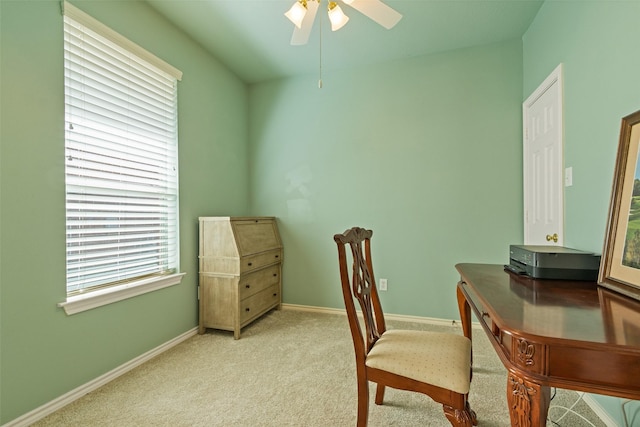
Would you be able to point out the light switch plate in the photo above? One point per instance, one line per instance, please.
(568, 176)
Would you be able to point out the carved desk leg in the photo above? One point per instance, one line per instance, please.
(528, 402)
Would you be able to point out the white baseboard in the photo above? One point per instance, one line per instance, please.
(398, 317)
(600, 411)
(312, 309)
(52, 406)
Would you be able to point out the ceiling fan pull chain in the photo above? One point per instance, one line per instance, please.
(320, 56)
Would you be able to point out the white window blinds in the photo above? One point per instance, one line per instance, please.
(121, 158)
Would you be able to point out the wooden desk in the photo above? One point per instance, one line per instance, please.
(552, 333)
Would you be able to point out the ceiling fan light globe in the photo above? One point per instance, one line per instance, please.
(337, 17)
(296, 13)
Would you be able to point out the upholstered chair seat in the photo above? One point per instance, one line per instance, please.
(411, 354)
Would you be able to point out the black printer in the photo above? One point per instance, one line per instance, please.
(553, 262)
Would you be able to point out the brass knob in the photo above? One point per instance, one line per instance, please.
(554, 237)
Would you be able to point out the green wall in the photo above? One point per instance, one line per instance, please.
(597, 43)
(426, 152)
(43, 352)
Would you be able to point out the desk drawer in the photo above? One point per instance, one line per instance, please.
(234, 266)
(259, 304)
(255, 262)
(257, 281)
(482, 315)
(498, 339)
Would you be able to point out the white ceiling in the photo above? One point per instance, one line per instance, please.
(251, 37)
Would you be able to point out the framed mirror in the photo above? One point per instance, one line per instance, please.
(620, 264)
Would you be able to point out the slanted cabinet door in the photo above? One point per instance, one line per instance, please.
(256, 235)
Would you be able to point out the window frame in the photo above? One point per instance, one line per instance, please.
(92, 298)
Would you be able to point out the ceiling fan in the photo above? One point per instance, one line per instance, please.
(303, 14)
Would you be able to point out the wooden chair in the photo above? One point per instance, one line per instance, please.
(432, 363)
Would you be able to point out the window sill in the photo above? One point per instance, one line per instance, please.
(80, 303)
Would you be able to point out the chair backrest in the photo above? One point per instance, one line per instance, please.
(361, 285)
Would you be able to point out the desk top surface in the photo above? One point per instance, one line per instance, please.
(555, 309)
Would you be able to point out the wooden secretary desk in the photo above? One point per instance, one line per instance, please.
(240, 266)
(553, 333)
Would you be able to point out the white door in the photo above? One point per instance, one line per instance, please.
(543, 163)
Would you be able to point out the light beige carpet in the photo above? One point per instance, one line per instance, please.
(290, 368)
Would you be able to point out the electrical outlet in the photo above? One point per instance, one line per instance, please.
(383, 284)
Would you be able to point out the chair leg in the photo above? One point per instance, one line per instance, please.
(461, 418)
(379, 394)
(363, 402)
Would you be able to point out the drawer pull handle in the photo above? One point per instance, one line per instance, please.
(249, 264)
(248, 286)
(247, 309)
(277, 256)
(275, 294)
(275, 274)
(485, 314)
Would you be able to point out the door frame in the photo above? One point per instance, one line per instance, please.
(556, 77)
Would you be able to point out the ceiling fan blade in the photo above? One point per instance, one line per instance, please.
(301, 35)
(376, 10)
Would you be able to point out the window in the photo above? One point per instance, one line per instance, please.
(121, 166)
